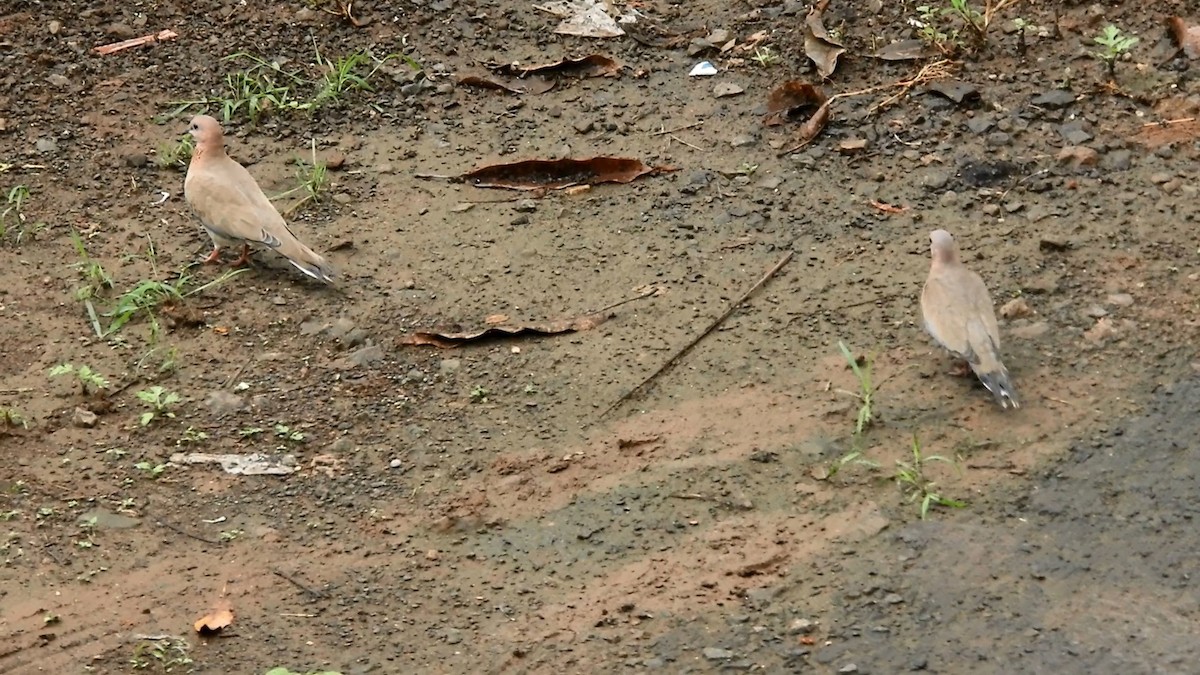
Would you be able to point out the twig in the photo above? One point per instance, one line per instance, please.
(179, 530)
(663, 132)
(852, 305)
(694, 495)
(237, 373)
(104, 50)
(1182, 120)
(680, 140)
(307, 589)
(696, 340)
(617, 304)
(1035, 174)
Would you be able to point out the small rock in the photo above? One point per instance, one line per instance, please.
(58, 80)
(453, 636)
(342, 445)
(1160, 177)
(395, 463)
(698, 46)
(305, 15)
(136, 160)
(222, 403)
(935, 180)
(520, 220)
(990, 209)
(717, 654)
(584, 126)
(47, 145)
(1078, 155)
(719, 36)
(851, 146)
(1120, 299)
(998, 139)
(848, 668)
(980, 124)
(1016, 308)
(1118, 160)
(743, 141)
(1054, 99)
(1095, 312)
(802, 626)
(1075, 132)
(83, 418)
(893, 598)
(335, 160)
(366, 356)
(414, 375)
(338, 328)
(342, 198)
(1172, 186)
(120, 31)
(723, 89)
(1102, 331)
(526, 206)
(55, 27)
(1029, 332)
(948, 198)
(450, 365)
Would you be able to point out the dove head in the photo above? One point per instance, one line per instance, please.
(207, 133)
(942, 247)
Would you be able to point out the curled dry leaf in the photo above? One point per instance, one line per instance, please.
(535, 84)
(1187, 37)
(903, 50)
(822, 49)
(536, 174)
(213, 622)
(449, 339)
(595, 65)
(790, 99)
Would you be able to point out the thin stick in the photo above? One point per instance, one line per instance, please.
(237, 373)
(696, 340)
(1182, 120)
(663, 132)
(307, 589)
(179, 530)
(680, 140)
(860, 303)
(618, 303)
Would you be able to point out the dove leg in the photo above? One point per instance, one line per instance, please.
(213, 257)
(961, 368)
(244, 259)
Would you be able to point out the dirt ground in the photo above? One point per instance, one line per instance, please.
(521, 505)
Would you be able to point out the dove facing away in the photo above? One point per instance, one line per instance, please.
(234, 210)
(957, 311)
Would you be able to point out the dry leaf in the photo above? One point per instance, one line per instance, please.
(484, 83)
(1187, 37)
(818, 45)
(449, 339)
(595, 65)
(213, 622)
(791, 98)
(955, 90)
(537, 174)
(904, 50)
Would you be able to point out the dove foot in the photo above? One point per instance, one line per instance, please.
(960, 369)
(244, 259)
(213, 257)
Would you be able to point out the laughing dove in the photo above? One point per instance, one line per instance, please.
(234, 210)
(957, 312)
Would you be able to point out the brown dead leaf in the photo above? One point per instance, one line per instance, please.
(216, 620)
(903, 50)
(484, 83)
(595, 65)
(790, 99)
(819, 47)
(1187, 37)
(450, 339)
(813, 125)
(537, 174)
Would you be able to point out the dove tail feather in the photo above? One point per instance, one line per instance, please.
(999, 383)
(319, 270)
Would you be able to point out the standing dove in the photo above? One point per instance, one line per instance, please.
(957, 311)
(234, 210)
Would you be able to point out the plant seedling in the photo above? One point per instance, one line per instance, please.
(175, 154)
(159, 400)
(88, 378)
(910, 476)
(1115, 44)
(288, 434)
(866, 393)
(312, 178)
(150, 469)
(479, 395)
(11, 417)
(765, 57)
(13, 214)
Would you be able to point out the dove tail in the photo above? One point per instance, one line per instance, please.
(317, 268)
(999, 383)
